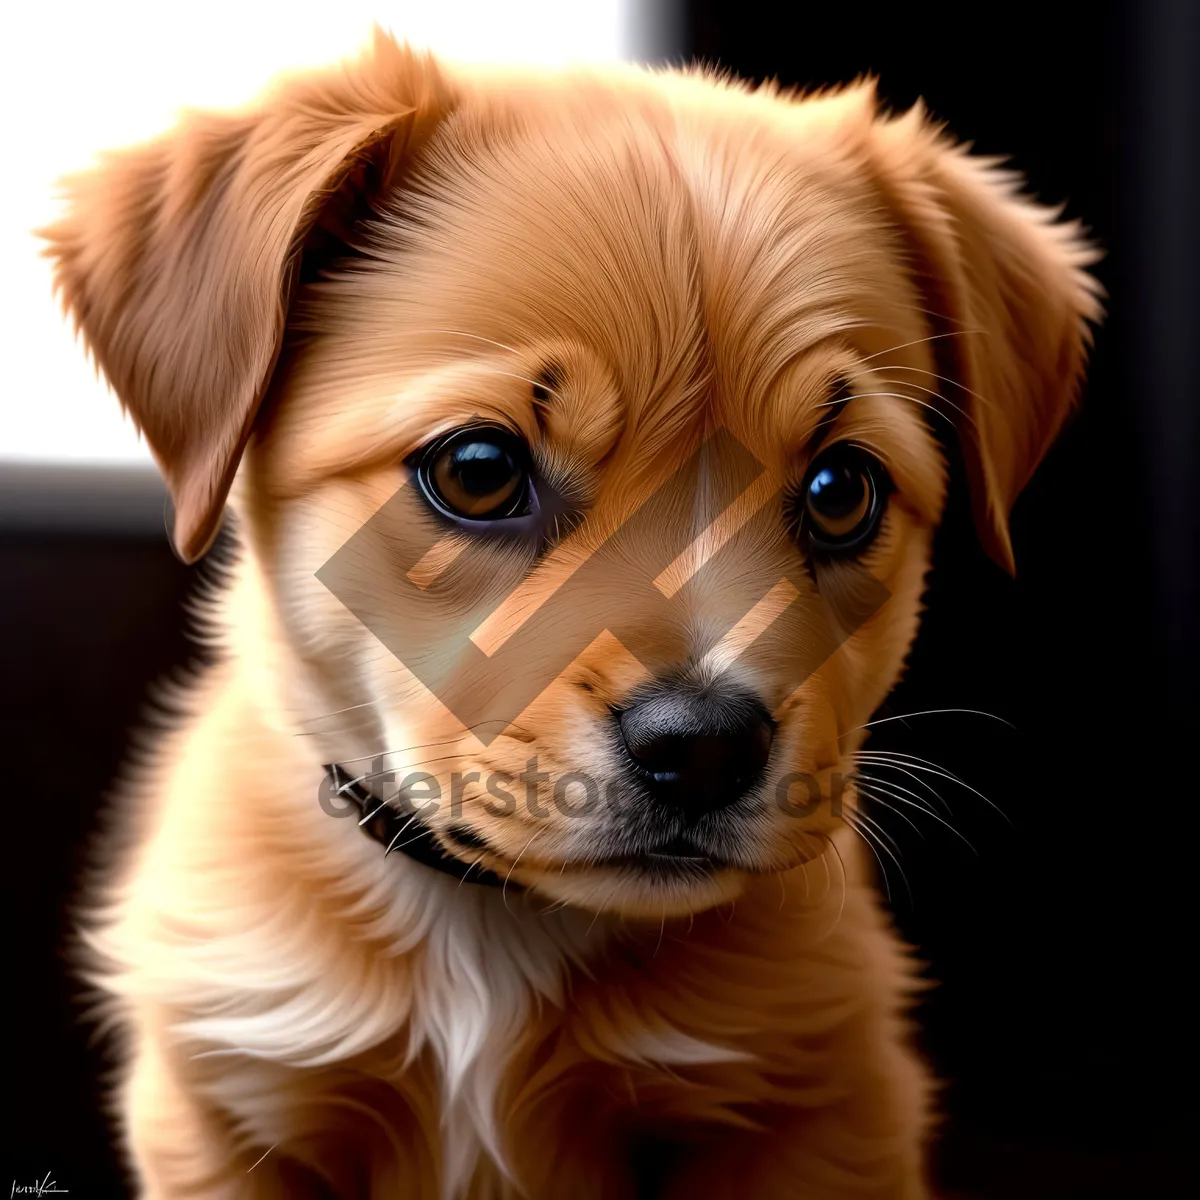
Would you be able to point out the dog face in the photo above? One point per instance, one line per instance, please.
(594, 466)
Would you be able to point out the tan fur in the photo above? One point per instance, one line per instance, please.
(687, 255)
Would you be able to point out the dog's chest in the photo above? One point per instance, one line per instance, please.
(492, 987)
(485, 968)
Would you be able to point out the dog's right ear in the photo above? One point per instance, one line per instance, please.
(1009, 300)
(178, 259)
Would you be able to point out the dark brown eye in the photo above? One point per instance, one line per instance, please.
(843, 499)
(477, 474)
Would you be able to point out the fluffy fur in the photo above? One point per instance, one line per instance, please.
(614, 263)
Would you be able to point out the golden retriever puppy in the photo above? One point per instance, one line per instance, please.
(581, 435)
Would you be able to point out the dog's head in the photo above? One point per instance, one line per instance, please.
(587, 433)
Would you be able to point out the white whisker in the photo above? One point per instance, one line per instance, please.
(935, 375)
(859, 815)
(845, 884)
(876, 787)
(921, 783)
(921, 764)
(421, 745)
(338, 712)
(400, 833)
(911, 399)
(907, 820)
(460, 333)
(469, 869)
(921, 341)
(927, 712)
(504, 887)
(864, 833)
(260, 1158)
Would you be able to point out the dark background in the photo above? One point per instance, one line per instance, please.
(1063, 1020)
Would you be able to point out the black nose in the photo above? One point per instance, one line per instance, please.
(697, 748)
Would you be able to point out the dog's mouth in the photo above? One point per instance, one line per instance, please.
(679, 856)
(464, 852)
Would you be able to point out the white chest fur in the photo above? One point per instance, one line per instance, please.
(487, 958)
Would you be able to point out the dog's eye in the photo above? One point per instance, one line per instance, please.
(841, 504)
(480, 473)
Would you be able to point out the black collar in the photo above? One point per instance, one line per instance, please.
(397, 829)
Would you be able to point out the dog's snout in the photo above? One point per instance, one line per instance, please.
(697, 749)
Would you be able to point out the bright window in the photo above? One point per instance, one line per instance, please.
(76, 78)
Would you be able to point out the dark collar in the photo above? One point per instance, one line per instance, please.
(395, 828)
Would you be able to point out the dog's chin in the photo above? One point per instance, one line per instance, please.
(650, 887)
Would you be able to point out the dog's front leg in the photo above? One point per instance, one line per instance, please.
(865, 1143)
(841, 1101)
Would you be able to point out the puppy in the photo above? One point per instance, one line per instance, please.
(582, 436)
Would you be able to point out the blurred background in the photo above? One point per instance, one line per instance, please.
(1062, 937)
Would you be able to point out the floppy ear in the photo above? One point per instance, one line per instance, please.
(1004, 284)
(178, 259)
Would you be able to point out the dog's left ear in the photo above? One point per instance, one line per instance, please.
(1004, 283)
(178, 259)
